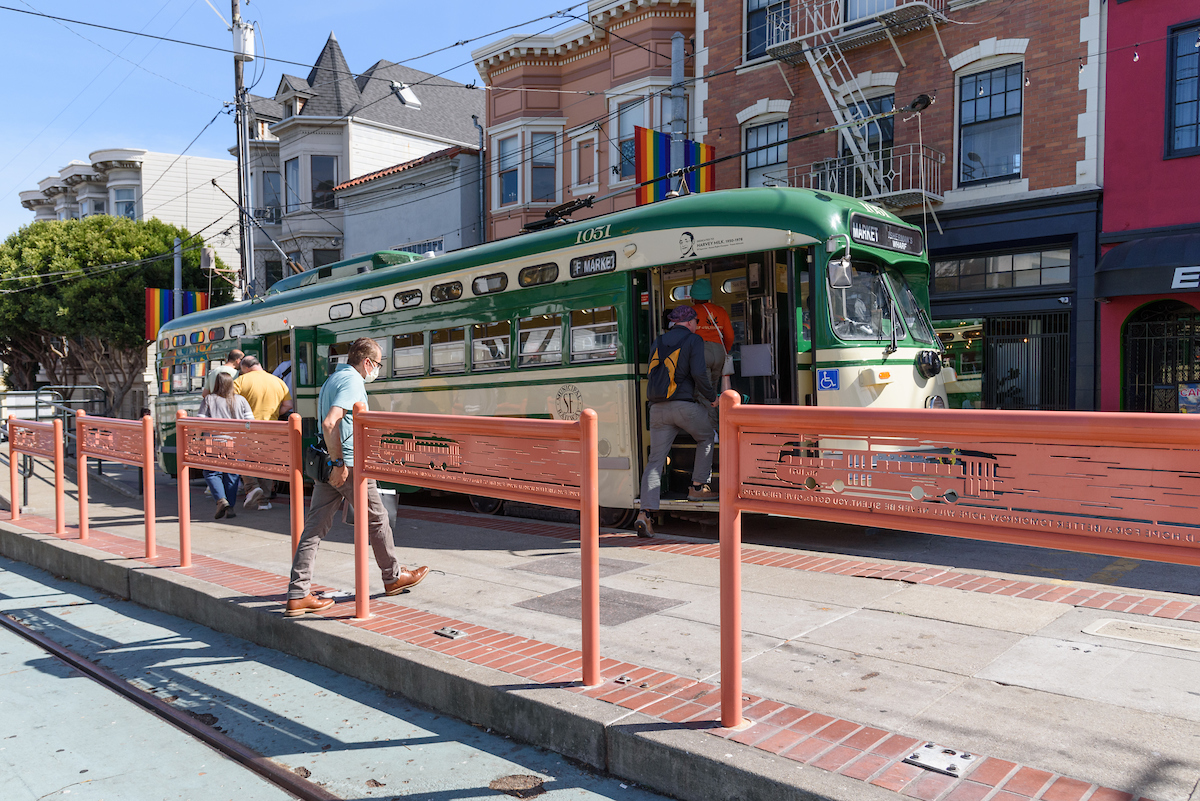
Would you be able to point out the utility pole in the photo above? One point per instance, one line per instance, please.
(178, 293)
(678, 105)
(243, 50)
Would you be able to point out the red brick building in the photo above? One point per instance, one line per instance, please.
(576, 96)
(1003, 168)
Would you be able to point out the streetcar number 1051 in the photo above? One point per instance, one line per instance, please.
(593, 234)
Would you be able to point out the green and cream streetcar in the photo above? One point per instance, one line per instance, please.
(828, 297)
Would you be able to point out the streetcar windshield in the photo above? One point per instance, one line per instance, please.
(863, 310)
(910, 308)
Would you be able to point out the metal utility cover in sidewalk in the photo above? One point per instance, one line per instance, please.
(567, 566)
(1146, 633)
(616, 606)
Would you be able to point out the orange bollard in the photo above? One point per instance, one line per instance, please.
(60, 493)
(297, 479)
(589, 545)
(362, 587)
(185, 500)
(148, 483)
(81, 469)
(731, 566)
(14, 498)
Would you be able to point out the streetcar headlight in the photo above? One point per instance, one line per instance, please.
(935, 402)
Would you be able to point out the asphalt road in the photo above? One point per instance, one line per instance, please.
(64, 736)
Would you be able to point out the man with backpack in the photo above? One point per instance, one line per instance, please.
(680, 395)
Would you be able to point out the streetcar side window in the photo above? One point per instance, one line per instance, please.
(196, 372)
(489, 345)
(372, 305)
(444, 292)
(237, 330)
(408, 354)
(538, 274)
(448, 350)
(215, 334)
(179, 378)
(541, 340)
(594, 335)
(407, 298)
(487, 284)
(341, 311)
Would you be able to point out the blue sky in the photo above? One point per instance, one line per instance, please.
(77, 89)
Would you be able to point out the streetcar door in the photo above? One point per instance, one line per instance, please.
(251, 346)
(755, 290)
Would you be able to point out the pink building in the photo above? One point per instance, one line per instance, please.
(1148, 279)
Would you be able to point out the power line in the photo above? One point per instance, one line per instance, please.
(265, 58)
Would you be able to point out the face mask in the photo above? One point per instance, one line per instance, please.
(372, 374)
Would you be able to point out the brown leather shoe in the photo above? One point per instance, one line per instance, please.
(309, 603)
(407, 578)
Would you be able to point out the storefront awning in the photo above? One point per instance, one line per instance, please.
(1150, 267)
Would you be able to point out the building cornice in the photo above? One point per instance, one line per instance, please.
(601, 16)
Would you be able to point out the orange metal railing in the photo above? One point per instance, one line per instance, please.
(1119, 484)
(38, 439)
(126, 441)
(260, 448)
(546, 462)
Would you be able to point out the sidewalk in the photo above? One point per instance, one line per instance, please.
(848, 664)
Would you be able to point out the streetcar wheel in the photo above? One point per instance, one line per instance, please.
(616, 518)
(487, 506)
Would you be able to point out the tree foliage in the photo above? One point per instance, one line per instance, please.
(73, 300)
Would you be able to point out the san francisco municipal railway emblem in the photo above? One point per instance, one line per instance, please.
(569, 402)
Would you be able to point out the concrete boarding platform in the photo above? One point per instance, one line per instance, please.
(851, 663)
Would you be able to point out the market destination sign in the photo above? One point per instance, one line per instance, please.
(880, 234)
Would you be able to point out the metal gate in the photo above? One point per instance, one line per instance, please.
(1027, 361)
(1160, 349)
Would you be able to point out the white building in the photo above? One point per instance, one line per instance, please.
(140, 185)
(319, 132)
(427, 205)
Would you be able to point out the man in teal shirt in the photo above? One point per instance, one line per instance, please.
(335, 409)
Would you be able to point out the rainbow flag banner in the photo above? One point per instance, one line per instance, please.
(160, 308)
(652, 158)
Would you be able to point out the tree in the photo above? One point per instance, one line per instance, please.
(72, 297)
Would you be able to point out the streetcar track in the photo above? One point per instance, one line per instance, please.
(266, 768)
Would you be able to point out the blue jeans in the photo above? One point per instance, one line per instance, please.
(223, 486)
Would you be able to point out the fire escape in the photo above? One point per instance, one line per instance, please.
(818, 32)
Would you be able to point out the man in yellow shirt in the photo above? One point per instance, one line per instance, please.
(269, 399)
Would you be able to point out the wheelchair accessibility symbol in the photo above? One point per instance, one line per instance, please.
(828, 379)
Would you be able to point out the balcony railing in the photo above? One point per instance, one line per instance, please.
(911, 174)
(851, 22)
(271, 215)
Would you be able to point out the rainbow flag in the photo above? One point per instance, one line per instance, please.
(160, 308)
(652, 158)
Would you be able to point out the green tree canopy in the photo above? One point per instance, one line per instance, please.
(72, 297)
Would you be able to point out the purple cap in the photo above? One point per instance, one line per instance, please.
(681, 314)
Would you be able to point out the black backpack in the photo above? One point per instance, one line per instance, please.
(660, 380)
